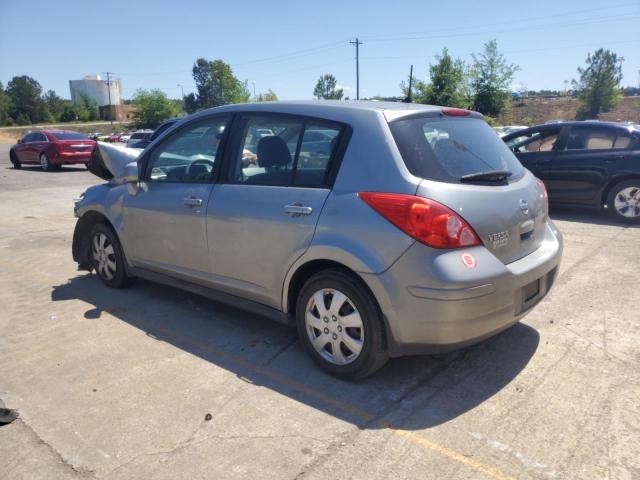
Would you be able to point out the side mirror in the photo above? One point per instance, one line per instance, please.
(19, 140)
(131, 177)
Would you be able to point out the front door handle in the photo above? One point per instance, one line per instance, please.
(192, 202)
(297, 209)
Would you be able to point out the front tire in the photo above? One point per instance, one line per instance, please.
(14, 160)
(623, 201)
(107, 257)
(340, 325)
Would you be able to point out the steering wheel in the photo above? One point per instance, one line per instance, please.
(200, 161)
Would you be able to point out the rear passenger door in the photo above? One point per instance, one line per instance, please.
(263, 213)
(587, 159)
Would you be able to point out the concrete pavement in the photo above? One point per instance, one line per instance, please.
(152, 382)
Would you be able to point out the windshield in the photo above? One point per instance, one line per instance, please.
(449, 149)
(70, 136)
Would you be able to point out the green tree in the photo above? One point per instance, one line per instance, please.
(447, 82)
(599, 84)
(270, 96)
(491, 80)
(55, 104)
(152, 108)
(216, 85)
(5, 103)
(326, 88)
(24, 93)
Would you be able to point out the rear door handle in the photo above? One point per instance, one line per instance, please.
(192, 202)
(297, 209)
(614, 158)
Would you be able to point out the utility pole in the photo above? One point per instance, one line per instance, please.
(108, 82)
(408, 99)
(182, 91)
(357, 44)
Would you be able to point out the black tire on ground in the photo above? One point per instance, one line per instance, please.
(374, 347)
(14, 160)
(45, 164)
(100, 239)
(631, 187)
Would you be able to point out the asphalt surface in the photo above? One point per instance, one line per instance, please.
(152, 382)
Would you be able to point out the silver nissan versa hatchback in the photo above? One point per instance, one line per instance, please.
(378, 229)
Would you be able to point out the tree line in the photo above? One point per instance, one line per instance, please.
(483, 84)
(23, 102)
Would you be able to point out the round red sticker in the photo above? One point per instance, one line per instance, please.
(468, 260)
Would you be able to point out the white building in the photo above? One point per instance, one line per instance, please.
(95, 89)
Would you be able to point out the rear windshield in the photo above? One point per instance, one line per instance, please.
(140, 135)
(70, 136)
(447, 149)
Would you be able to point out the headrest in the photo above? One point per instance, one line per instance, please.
(273, 152)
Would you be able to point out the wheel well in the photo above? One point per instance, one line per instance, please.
(83, 228)
(613, 183)
(306, 271)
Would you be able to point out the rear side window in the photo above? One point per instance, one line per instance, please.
(282, 151)
(593, 138)
(446, 149)
(69, 136)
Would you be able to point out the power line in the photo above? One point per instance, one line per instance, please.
(509, 22)
(357, 44)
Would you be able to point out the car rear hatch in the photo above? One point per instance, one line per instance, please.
(466, 167)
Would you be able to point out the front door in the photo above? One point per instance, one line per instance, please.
(536, 151)
(165, 222)
(263, 216)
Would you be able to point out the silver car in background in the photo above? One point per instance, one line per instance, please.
(378, 229)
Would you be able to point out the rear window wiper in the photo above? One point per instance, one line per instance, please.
(493, 175)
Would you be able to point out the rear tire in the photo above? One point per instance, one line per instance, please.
(340, 325)
(44, 163)
(14, 160)
(623, 201)
(107, 257)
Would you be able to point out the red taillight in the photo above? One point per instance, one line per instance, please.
(456, 112)
(545, 196)
(425, 220)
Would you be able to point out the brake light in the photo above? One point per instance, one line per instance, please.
(456, 112)
(545, 196)
(426, 220)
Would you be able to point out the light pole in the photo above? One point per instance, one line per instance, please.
(182, 91)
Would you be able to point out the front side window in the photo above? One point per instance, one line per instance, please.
(28, 138)
(189, 155)
(282, 151)
(538, 141)
(594, 138)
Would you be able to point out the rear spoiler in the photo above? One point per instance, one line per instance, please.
(108, 161)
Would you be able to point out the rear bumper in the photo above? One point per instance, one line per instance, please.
(433, 303)
(69, 158)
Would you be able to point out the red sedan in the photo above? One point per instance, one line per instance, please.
(51, 149)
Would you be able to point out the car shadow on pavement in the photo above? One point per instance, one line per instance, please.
(586, 215)
(37, 168)
(409, 393)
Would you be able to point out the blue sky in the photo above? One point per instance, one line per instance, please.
(287, 45)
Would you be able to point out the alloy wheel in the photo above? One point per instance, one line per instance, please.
(104, 256)
(334, 326)
(627, 202)
(44, 162)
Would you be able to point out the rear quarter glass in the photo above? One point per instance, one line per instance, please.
(446, 149)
